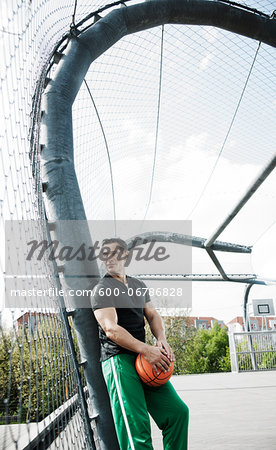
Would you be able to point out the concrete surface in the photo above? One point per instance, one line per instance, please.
(228, 411)
(234, 411)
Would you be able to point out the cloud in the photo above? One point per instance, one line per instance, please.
(204, 63)
(181, 173)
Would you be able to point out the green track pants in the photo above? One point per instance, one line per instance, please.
(131, 400)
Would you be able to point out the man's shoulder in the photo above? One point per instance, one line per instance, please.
(106, 280)
(99, 299)
(135, 281)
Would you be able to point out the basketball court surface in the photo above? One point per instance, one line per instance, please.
(229, 411)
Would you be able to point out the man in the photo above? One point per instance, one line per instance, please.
(120, 309)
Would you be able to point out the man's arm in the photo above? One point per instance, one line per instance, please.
(156, 325)
(156, 356)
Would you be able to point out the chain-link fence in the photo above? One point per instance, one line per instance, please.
(42, 384)
(39, 383)
(253, 351)
(117, 112)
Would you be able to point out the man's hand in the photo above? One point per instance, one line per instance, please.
(162, 343)
(157, 357)
(157, 327)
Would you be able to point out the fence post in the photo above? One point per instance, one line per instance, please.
(83, 404)
(247, 327)
(233, 353)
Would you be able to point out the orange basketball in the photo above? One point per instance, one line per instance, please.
(147, 374)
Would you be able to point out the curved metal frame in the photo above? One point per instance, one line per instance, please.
(182, 239)
(60, 185)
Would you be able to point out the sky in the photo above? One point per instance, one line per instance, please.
(204, 73)
(203, 76)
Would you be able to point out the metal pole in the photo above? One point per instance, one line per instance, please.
(81, 396)
(183, 239)
(70, 232)
(256, 184)
(247, 327)
(233, 353)
(240, 278)
(217, 263)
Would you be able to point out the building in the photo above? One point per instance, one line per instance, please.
(236, 325)
(204, 322)
(30, 320)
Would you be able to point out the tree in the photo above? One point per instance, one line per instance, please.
(36, 372)
(179, 334)
(208, 351)
(196, 351)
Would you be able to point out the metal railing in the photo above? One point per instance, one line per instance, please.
(67, 418)
(255, 350)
